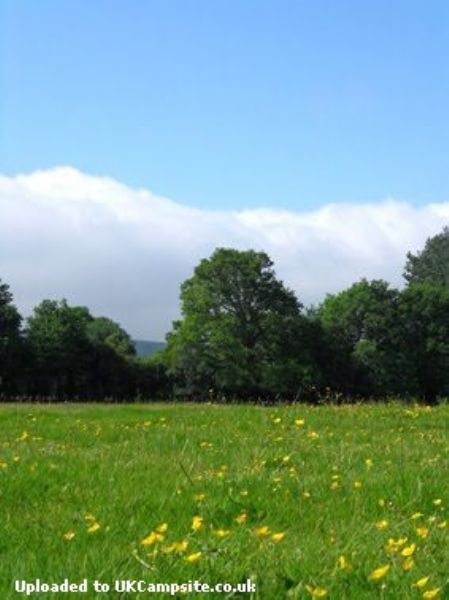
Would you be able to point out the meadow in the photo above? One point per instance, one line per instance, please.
(341, 502)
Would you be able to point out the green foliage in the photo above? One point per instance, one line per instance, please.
(243, 335)
(57, 339)
(422, 338)
(382, 341)
(75, 355)
(9, 316)
(432, 264)
(240, 329)
(104, 331)
(10, 343)
(358, 324)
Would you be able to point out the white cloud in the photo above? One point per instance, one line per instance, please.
(123, 252)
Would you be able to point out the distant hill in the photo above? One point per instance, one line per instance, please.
(144, 348)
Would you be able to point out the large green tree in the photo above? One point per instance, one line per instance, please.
(431, 265)
(10, 321)
(359, 325)
(77, 355)
(424, 317)
(57, 338)
(381, 341)
(240, 331)
(422, 340)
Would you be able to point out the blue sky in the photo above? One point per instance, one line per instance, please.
(232, 104)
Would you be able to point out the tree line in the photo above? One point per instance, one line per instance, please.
(243, 335)
(64, 353)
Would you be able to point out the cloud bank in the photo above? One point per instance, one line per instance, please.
(123, 252)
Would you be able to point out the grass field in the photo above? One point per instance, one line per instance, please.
(307, 502)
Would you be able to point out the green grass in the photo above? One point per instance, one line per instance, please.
(136, 467)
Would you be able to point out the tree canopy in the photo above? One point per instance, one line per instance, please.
(74, 354)
(243, 335)
(358, 323)
(237, 323)
(431, 265)
(422, 341)
(10, 321)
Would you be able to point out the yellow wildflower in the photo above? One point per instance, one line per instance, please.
(382, 524)
(299, 422)
(176, 547)
(316, 592)
(379, 573)
(94, 527)
(197, 523)
(409, 550)
(430, 594)
(437, 502)
(421, 583)
(416, 515)
(423, 532)
(442, 525)
(193, 557)
(69, 535)
(344, 564)
(240, 519)
(408, 564)
(221, 533)
(357, 485)
(368, 463)
(394, 545)
(278, 537)
(162, 528)
(152, 538)
(199, 497)
(180, 546)
(262, 531)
